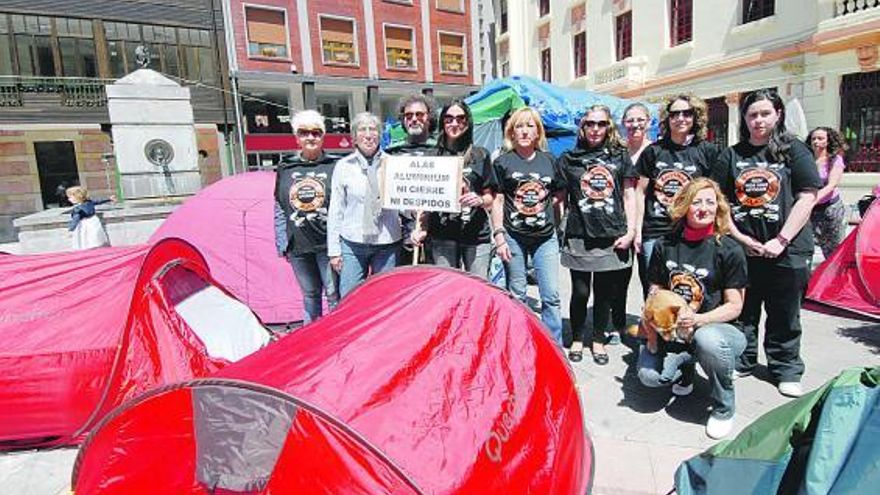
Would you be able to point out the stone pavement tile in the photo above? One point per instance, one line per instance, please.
(631, 468)
(37, 472)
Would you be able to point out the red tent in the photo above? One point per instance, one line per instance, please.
(231, 224)
(81, 332)
(422, 381)
(849, 280)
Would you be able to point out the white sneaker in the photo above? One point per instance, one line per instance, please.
(718, 428)
(682, 390)
(790, 389)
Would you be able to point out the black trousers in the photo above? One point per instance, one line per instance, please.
(780, 291)
(609, 298)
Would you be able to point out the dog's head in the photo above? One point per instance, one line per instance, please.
(661, 310)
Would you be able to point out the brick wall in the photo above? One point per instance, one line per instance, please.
(209, 167)
(248, 63)
(343, 8)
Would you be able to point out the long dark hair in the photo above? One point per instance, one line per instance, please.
(465, 140)
(835, 141)
(780, 138)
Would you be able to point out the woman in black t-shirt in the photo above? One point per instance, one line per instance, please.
(462, 239)
(707, 268)
(681, 154)
(599, 229)
(524, 213)
(771, 181)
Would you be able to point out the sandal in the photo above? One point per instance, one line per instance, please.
(576, 354)
(600, 358)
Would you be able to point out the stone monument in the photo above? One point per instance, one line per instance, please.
(154, 136)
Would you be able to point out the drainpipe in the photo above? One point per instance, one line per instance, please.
(233, 75)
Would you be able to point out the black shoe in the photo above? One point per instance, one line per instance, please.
(575, 356)
(600, 358)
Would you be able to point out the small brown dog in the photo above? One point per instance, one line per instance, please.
(661, 314)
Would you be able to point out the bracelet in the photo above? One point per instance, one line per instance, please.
(499, 230)
(782, 240)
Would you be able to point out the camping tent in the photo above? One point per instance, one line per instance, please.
(423, 380)
(561, 110)
(849, 280)
(824, 442)
(231, 224)
(81, 332)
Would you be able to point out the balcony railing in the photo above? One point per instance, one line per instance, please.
(73, 91)
(848, 7)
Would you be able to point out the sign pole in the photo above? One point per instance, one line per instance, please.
(417, 247)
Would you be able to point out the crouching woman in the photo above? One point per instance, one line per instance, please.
(705, 266)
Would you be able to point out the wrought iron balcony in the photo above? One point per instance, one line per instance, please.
(849, 7)
(73, 91)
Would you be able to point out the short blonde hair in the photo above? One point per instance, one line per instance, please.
(683, 199)
(307, 119)
(80, 193)
(519, 116)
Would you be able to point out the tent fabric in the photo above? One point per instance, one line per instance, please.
(561, 110)
(423, 380)
(849, 280)
(83, 331)
(824, 442)
(231, 223)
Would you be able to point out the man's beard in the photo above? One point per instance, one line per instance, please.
(416, 130)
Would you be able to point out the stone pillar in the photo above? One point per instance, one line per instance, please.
(310, 101)
(154, 136)
(374, 105)
(732, 100)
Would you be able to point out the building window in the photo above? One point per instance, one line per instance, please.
(502, 17)
(164, 55)
(623, 35)
(543, 7)
(76, 42)
(266, 32)
(122, 40)
(34, 45)
(198, 57)
(860, 120)
(451, 5)
(757, 9)
(580, 54)
(336, 110)
(5, 48)
(266, 111)
(545, 65)
(452, 47)
(718, 121)
(178, 52)
(338, 41)
(399, 47)
(681, 22)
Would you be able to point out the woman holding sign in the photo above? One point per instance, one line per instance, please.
(462, 239)
(599, 230)
(525, 213)
(362, 237)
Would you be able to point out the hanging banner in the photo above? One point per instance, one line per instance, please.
(426, 183)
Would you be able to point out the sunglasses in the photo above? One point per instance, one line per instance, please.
(315, 133)
(601, 124)
(460, 119)
(686, 113)
(417, 115)
(635, 121)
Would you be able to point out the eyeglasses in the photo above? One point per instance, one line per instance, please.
(315, 133)
(417, 115)
(601, 124)
(686, 113)
(460, 119)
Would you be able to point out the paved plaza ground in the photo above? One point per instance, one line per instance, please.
(640, 435)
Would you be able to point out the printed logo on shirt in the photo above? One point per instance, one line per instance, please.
(687, 281)
(307, 196)
(528, 200)
(757, 189)
(597, 187)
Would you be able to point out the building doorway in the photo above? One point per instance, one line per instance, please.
(719, 119)
(860, 120)
(56, 165)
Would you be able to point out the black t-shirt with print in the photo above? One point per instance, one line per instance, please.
(471, 225)
(428, 148)
(528, 187)
(668, 168)
(699, 271)
(595, 180)
(302, 189)
(762, 192)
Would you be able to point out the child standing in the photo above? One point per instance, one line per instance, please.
(88, 231)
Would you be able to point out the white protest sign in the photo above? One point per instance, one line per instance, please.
(426, 183)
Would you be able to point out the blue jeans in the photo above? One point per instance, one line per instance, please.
(473, 258)
(644, 259)
(545, 258)
(717, 347)
(316, 279)
(359, 260)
